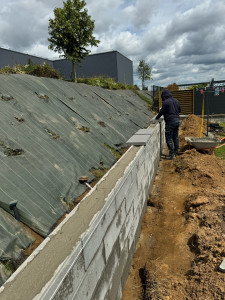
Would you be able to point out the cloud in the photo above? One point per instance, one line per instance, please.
(180, 40)
(206, 15)
(139, 12)
(127, 42)
(24, 23)
(183, 46)
(105, 14)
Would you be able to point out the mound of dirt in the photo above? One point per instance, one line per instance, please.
(205, 215)
(191, 126)
(203, 170)
(206, 212)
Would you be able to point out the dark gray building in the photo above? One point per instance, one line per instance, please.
(12, 58)
(111, 64)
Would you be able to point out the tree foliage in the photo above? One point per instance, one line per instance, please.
(198, 86)
(172, 87)
(144, 72)
(71, 32)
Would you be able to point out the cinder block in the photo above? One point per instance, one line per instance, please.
(131, 195)
(120, 293)
(142, 198)
(107, 275)
(140, 173)
(94, 236)
(134, 171)
(139, 153)
(148, 145)
(143, 210)
(138, 229)
(67, 278)
(144, 182)
(136, 201)
(148, 166)
(114, 230)
(147, 189)
(142, 157)
(127, 266)
(116, 281)
(133, 230)
(121, 190)
(92, 277)
(150, 173)
(140, 207)
(126, 228)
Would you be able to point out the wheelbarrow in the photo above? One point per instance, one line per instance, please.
(205, 143)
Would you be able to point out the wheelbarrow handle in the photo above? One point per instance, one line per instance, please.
(222, 144)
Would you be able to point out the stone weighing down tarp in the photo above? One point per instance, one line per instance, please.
(51, 133)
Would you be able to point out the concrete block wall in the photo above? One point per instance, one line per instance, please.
(109, 244)
(98, 265)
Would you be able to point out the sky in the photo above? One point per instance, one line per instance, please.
(183, 41)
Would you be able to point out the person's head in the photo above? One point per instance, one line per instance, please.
(165, 94)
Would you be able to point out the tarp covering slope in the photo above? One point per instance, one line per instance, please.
(51, 133)
(13, 239)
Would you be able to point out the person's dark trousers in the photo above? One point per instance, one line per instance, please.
(172, 139)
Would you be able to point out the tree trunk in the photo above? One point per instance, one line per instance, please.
(143, 84)
(74, 76)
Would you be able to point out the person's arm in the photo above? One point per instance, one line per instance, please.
(161, 112)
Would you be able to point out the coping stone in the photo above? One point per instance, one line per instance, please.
(138, 140)
(147, 131)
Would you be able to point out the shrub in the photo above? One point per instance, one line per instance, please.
(44, 70)
(106, 83)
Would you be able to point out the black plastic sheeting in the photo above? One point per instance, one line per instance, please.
(13, 239)
(51, 133)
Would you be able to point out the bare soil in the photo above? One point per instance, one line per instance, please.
(182, 242)
(38, 240)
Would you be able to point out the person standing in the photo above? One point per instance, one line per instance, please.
(170, 110)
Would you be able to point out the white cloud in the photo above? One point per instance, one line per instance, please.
(139, 12)
(127, 42)
(181, 40)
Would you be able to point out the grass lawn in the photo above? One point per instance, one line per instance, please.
(220, 152)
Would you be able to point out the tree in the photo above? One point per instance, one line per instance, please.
(71, 32)
(172, 87)
(144, 72)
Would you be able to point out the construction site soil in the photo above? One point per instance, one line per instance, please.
(182, 242)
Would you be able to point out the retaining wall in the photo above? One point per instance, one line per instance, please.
(88, 256)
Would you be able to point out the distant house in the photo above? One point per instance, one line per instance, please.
(111, 64)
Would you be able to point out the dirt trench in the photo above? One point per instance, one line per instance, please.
(182, 241)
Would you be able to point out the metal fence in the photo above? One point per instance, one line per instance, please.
(191, 100)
